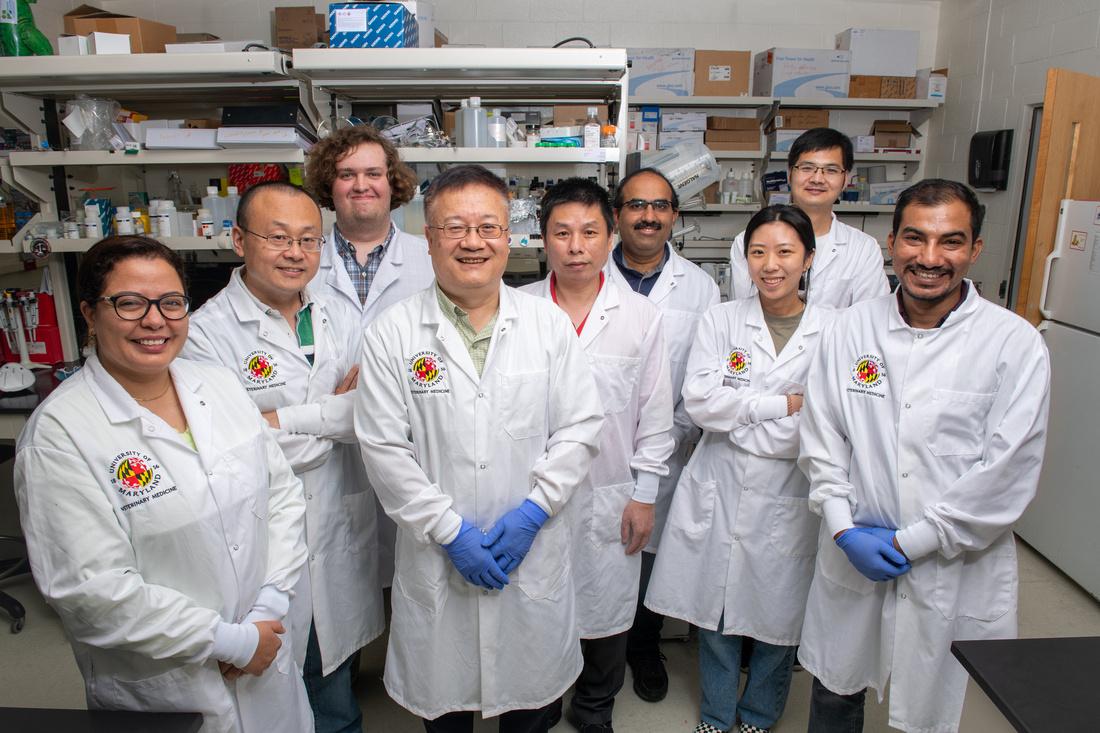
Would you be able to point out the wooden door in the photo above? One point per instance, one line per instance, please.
(1068, 167)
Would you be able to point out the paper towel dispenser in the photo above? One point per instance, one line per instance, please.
(989, 156)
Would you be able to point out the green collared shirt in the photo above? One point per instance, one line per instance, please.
(477, 342)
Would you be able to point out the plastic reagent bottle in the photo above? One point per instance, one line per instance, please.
(592, 128)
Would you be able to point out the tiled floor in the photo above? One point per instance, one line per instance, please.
(37, 668)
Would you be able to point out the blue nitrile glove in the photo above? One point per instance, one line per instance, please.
(872, 555)
(884, 534)
(473, 561)
(512, 535)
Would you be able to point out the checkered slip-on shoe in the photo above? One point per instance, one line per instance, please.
(746, 728)
(707, 728)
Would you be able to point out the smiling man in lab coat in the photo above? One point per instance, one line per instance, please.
(922, 436)
(848, 266)
(612, 520)
(279, 338)
(478, 418)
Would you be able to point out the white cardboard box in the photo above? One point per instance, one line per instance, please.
(661, 72)
(184, 138)
(72, 45)
(101, 44)
(255, 137)
(810, 73)
(863, 143)
(669, 139)
(781, 140)
(683, 121)
(880, 52)
(931, 84)
(887, 193)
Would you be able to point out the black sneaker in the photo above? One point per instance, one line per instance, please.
(597, 728)
(650, 677)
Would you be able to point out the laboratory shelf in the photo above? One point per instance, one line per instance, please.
(156, 157)
(674, 102)
(510, 155)
(737, 154)
(847, 103)
(850, 208)
(177, 243)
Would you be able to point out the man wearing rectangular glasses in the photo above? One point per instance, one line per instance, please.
(848, 265)
(284, 343)
(646, 207)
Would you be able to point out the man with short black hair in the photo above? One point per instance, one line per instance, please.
(922, 435)
(848, 265)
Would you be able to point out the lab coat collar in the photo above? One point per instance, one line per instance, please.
(447, 335)
(824, 249)
(608, 298)
(964, 310)
(120, 407)
(247, 308)
(670, 277)
(810, 324)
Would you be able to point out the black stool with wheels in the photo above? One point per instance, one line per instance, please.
(9, 569)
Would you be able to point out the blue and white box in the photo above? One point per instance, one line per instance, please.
(661, 72)
(809, 73)
(371, 25)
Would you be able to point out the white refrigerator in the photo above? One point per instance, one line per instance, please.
(1063, 523)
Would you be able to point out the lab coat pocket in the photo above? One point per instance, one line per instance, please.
(834, 566)
(542, 573)
(358, 511)
(956, 422)
(421, 574)
(794, 527)
(693, 506)
(608, 504)
(978, 585)
(615, 377)
(523, 400)
(182, 688)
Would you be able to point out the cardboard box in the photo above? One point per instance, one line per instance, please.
(661, 72)
(887, 193)
(739, 146)
(145, 35)
(863, 144)
(371, 25)
(781, 140)
(669, 139)
(674, 121)
(297, 27)
(732, 123)
(167, 138)
(722, 73)
(72, 45)
(202, 124)
(893, 133)
(258, 137)
(211, 46)
(801, 72)
(880, 52)
(882, 87)
(106, 44)
(797, 118)
(733, 136)
(575, 114)
(440, 39)
(196, 37)
(932, 84)
(651, 119)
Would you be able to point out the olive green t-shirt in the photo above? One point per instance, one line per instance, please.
(782, 328)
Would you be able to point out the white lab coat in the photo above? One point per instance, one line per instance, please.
(142, 567)
(740, 517)
(406, 269)
(622, 338)
(231, 329)
(939, 433)
(683, 292)
(847, 268)
(440, 445)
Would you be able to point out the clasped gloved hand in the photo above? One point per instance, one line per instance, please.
(511, 537)
(473, 561)
(871, 550)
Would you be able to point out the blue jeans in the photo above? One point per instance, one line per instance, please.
(766, 688)
(834, 713)
(335, 709)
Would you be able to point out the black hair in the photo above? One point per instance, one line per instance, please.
(793, 217)
(617, 204)
(246, 200)
(461, 176)
(938, 191)
(101, 258)
(821, 138)
(578, 191)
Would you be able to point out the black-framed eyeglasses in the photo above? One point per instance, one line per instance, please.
(485, 231)
(640, 205)
(282, 242)
(809, 169)
(134, 307)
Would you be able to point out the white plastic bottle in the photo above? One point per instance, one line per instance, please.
(744, 187)
(475, 125)
(231, 202)
(592, 129)
(205, 223)
(93, 227)
(498, 130)
(460, 116)
(124, 221)
(212, 202)
(727, 189)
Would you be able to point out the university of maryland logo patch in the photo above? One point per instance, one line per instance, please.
(260, 367)
(134, 474)
(738, 364)
(426, 369)
(869, 372)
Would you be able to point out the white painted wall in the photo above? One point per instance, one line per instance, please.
(998, 52)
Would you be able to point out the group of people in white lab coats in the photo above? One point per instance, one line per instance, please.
(210, 541)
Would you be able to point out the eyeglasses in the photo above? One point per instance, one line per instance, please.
(134, 307)
(640, 205)
(809, 169)
(282, 242)
(485, 231)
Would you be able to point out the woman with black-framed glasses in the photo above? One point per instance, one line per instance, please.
(162, 521)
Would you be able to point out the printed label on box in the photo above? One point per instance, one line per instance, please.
(1077, 240)
(719, 73)
(351, 21)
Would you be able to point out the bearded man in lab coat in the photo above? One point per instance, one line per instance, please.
(922, 436)
(478, 418)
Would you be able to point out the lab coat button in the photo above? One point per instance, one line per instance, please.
(920, 335)
(481, 395)
(482, 466)
(903, 596)
(737, 538)
(309, 497)
(905, 475)
(236, 547)
(907, 405)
